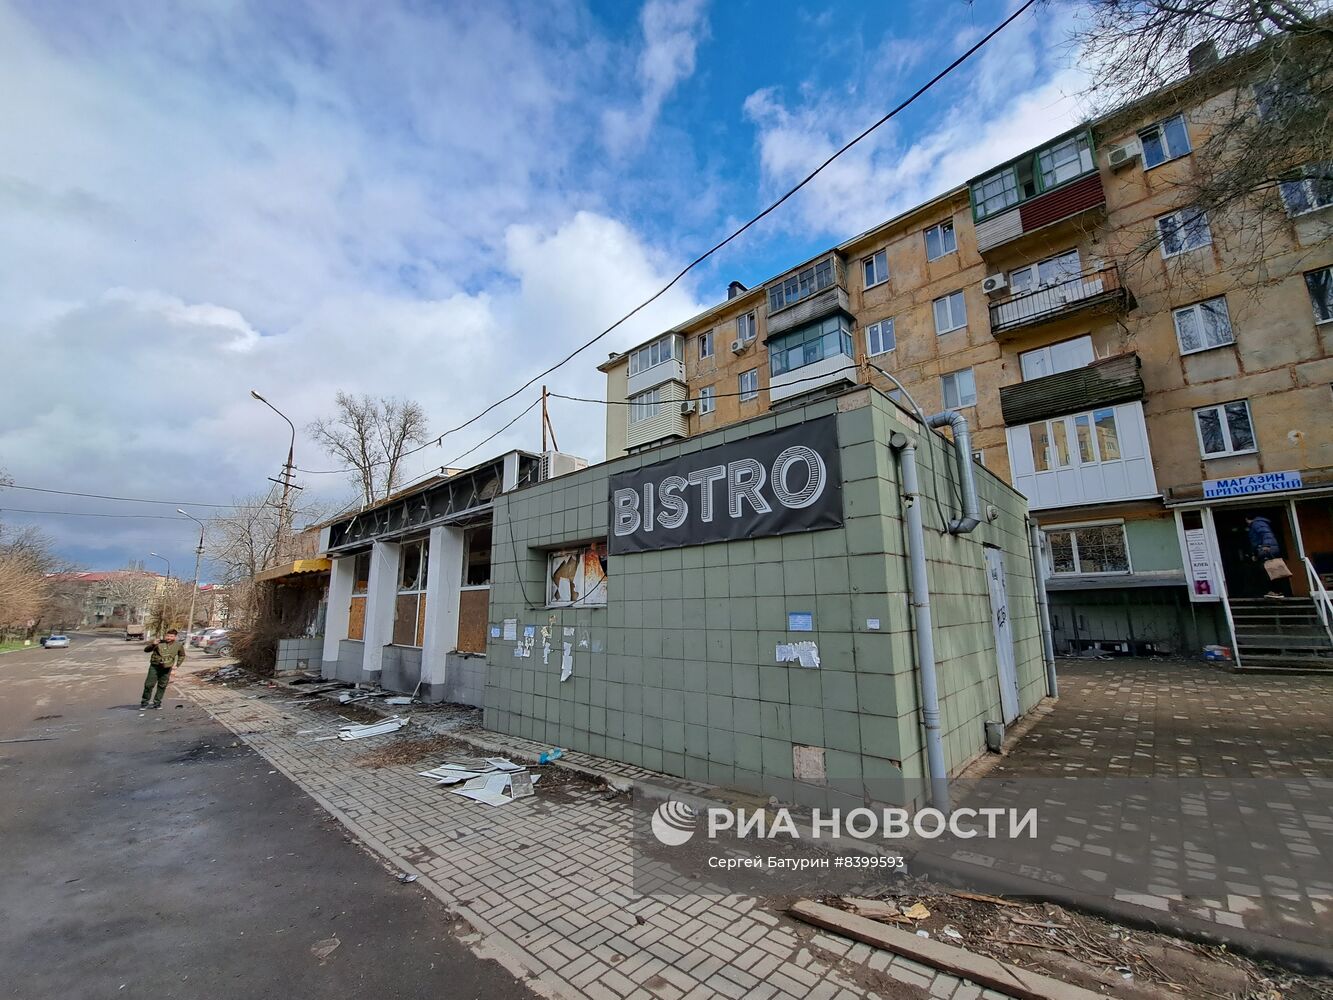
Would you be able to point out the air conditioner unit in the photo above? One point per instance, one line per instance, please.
(1119, 157)
(994, 284)
(558, 463)
(688, 407)
(737, 346)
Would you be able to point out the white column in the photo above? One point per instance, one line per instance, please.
(444, 575)
(381, 596)
(509, 477)
(341, 578)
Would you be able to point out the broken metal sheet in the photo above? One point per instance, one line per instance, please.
(399, 700)
(360, 732)
(520, 785)
(503, 764)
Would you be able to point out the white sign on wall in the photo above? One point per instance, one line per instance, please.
(1201, 564)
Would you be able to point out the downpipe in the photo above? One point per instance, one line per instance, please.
(924, 632)
(967, 482)
(1043, 609)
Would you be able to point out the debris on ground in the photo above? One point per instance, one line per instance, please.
(555, 753)
(355, 731)
(406, 877)
(495, 781)
(408, 751)
(347, 697)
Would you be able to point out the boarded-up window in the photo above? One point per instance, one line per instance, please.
(356, 612)
(409, 620)
(473, 611)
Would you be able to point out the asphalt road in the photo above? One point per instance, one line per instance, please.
(152, 855)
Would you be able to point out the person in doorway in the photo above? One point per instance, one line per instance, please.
(167, 653)
(1264, 546)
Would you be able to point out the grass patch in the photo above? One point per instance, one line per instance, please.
(9, 645)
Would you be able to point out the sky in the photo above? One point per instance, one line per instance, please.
(425, 200)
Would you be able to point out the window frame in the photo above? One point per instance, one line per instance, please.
(1311, 190)
(934, 309)
(876, 265)
(877, 329)
(1328, 284)
(638, 404)
(804, 338)
(1183, 227)
(638, 356)
(1225, 425)
(706, 340)
(707, 399)
(747, 327)
(416, 589)
(1160, 129)
(1046, 349)
(940, 228)
(803, 283)
(1196, 309)
(944, 388)
(746, 395)
(1072, 531)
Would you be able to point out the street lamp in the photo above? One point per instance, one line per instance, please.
(165, 560)
(198, 554)
(286, 469)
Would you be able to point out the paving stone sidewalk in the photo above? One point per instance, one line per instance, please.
(546, 882)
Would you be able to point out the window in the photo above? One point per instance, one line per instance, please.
(650, 355)
(802, 284)
(1052, 271)
(960, 389)
(1203, 326)
(940, 240)
(749, 384)
(880, 338)
(706, 345)
(1320, 285)
(645, 405)
(979, 457)
(1055, 358)
(1091, 548)
(745, 328)
(1183, 230)
(805, 345)
(409, 620)
(707, 399)
(356, 612)
(576, 577)
(1312, 191)
(876, 269)
(1065, 161)
(950, 313)
(1225, 429)
(1164, 141)
(995, 193)
(477, 557)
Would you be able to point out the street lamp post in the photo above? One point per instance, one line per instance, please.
(284, 512)
(198, 554)
(165, 560)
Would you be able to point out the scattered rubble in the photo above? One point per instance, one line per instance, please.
(355, 731)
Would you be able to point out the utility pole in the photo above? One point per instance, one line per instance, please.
(285, 480)
(165, 560)
(198, 554)
(547, 425)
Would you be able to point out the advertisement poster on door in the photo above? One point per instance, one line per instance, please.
(1201, 564)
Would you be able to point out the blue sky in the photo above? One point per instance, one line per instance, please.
(427, 200)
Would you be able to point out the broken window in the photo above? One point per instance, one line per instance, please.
(356, 612)
(477, 558)
(576, 577)
(409, 620)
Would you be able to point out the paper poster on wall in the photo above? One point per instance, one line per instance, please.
(800, 621)
(1201, 566)
(576, 577)
(511, 628)
(495, 631)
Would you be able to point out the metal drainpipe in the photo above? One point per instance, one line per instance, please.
(1043, 609)
(962, 446)
(925, 636)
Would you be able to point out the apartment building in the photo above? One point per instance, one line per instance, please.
(1122, 360)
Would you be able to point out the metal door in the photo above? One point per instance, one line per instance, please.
(1006, 672)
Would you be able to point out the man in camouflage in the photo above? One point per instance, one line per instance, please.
(167, 652)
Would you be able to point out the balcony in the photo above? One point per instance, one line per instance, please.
(809, 294)
(1102, 383)
(1094, 291)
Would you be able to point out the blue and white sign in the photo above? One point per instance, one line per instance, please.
(800, 621)
(1242, 486)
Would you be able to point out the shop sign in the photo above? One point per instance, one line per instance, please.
(770, 484)
(1241, 486)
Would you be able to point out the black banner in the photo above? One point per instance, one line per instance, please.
(770, 484)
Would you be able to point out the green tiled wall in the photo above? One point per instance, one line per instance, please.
(679, 671)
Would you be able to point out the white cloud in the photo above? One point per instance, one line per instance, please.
(194, 210)
(1019, 92)
(672, 31)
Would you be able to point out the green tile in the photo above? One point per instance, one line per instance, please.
(744, 679)
(745, 715)
(842, 730)
(805, 686)
(807, 725)
(748, 752)
(775, 720)
(839, 689)
(773, 684)
(776, 755)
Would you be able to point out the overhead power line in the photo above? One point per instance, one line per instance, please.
(787, 195)
(85, 513)
(102, 496)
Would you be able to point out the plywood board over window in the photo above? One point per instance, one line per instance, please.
(409, 620)
(356, 611)
(474, 607)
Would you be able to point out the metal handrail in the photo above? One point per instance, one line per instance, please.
(1226, 609)
(1072, 293)
(1323, 602)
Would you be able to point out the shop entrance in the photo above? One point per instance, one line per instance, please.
(1315, 517)
(1244, 575)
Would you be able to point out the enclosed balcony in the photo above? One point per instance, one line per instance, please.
(1092, 291)
(1101, 383)
(817, 290)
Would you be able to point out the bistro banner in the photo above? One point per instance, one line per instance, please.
(770, 484)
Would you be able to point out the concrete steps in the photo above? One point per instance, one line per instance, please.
(1281, 635)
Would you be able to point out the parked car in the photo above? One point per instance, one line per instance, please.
(56, 641)
(215, 637)
(197, 637)
(134, 631)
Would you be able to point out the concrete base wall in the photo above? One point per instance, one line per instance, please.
(1085, 619)
(348, 666)
(400, 668)
(299, 655)
(464, 681)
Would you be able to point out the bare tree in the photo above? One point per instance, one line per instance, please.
(131, 591)
(1255, 78)
(370, 436)
(26, 558)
